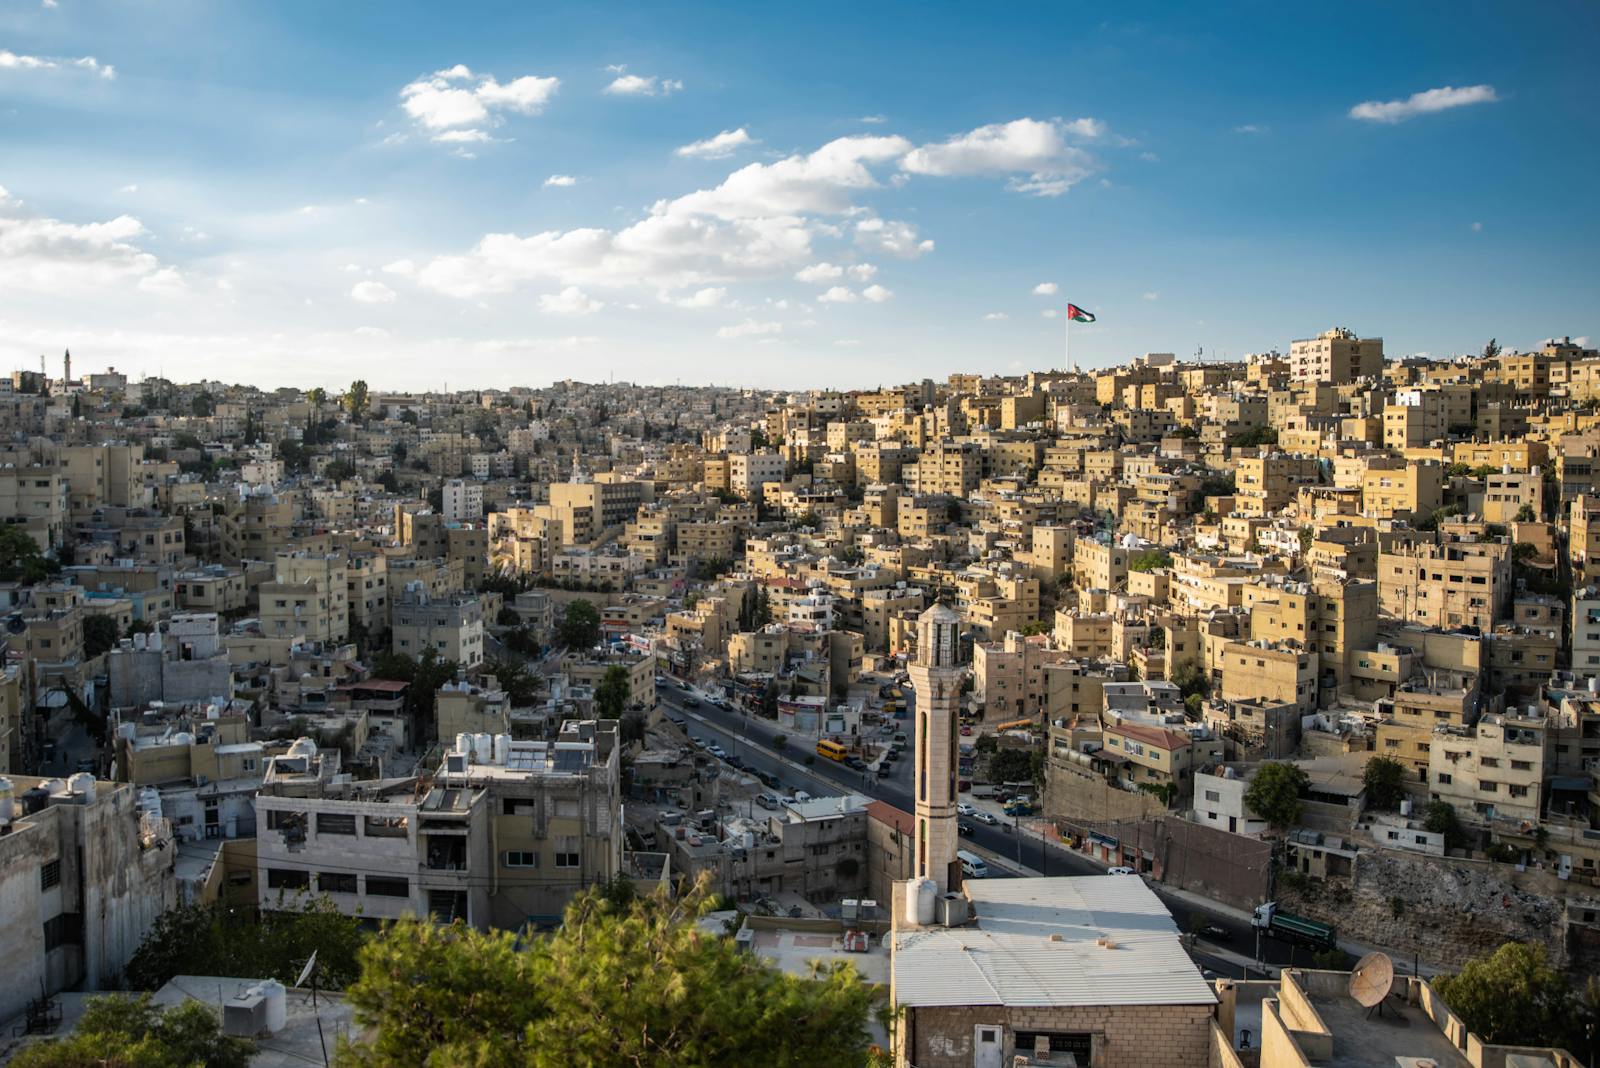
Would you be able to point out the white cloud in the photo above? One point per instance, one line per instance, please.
(570, 301)
(838, 295)
(876, 294)
(1152, 296)
(893, 237)
(1477, 227)
(637, 85)
(13, 61)
(759, 222)
(454, 105)
(847, 343)
(165, 282)
(864, 272)
(372, 293)
(1251, 128)
(819, 272)
(1046, 289)
(874, 120)
(750, 328)
(560, 181)
(1036, 154)
(403, 268)
(818, 183)
(995, 316)
(721, 146)
(129, 189)
(1423, 103)
(1050, 313)
(38, 253)
(709, 297)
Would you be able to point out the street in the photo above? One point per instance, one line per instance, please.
(749, 738)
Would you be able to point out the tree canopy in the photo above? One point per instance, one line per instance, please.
(580, 625)
(1513, 997)
(356, 399)
(19, 556)
(1384, 778)
(215, 940)
(119, 1031)
(611, 696)
(625, 981)
(1274, 793)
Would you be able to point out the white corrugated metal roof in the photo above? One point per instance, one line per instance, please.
(1036, 942)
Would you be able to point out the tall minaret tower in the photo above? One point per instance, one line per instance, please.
(66, 367)
(936, 676)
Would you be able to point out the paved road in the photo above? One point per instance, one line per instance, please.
(750, 737)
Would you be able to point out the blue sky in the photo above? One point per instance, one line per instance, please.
(489, 195)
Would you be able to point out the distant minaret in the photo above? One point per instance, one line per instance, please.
(936, 677)
(66, 367)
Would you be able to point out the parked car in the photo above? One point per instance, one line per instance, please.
(965, 830)
(1121, 871)
(768, 801)
(893, 754)
(691, 702)
(698, 743)
(716, 750)
(964, 809)
(966, 732)
(987, 817)
(1213, 933)
(854, 762)
(887, 729)
(677, 721)
(884, 769)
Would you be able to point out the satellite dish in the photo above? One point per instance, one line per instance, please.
(1371, 979)
(311, 962)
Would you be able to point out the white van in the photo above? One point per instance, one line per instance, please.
(972, 865)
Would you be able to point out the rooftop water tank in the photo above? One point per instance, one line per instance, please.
(921, 897)
(82, 787)
(303, 747)
(464, 742)
(276, 1003)
(502, 748)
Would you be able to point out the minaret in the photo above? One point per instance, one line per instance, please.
(936, 677)
(66, 367)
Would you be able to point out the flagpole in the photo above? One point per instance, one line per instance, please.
(1069, 342)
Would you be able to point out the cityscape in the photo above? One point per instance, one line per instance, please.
(644, 558)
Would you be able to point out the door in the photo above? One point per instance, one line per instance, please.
(987, 1043)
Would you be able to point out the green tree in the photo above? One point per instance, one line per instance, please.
(1191, 679)
(1511, 997)
(1274, 793)
(626, 980)
(1254, 437)
(580, 625)
(1440, 818)
(356, 400)
(1011, 765)
(519, 684)
(317, 396)
(1526, 514)
(99, 635)
(217, 940)
(1384, 777)
(19, 556)
(202, 405)
(120, 1031)
(1149, 560)
(1492, 349)
(611, 696)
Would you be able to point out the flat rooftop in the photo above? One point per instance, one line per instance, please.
(1401, 1030)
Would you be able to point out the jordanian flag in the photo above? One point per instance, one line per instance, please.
(1078, 315)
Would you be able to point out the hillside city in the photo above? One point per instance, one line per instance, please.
(1251, 667)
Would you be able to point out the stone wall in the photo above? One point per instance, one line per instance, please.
(1449, 911)
(1074, 792)
(1123, 1036)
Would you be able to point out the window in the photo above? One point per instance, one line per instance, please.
(50, 875)
(288, 879)
(387, 887)
(331, 882)
(521, 859)
(63, 930)
(336, 823)
(1213, 795)
(567, 851)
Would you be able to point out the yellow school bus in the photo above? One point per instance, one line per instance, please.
(831, 749)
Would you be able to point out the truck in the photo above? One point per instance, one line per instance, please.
(983, 789)
(1287, 927)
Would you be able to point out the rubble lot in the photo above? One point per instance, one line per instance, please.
(1448, 911)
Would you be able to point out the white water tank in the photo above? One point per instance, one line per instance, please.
(82, 787)
(1405, 806)
(483, 746)
(464, 743)
(127, 731)
(276, 1003)
(53, 787)
(150, 801)
(185, 738)
(8, 800)
(502, 748)
(921, 900)
(303, 747)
